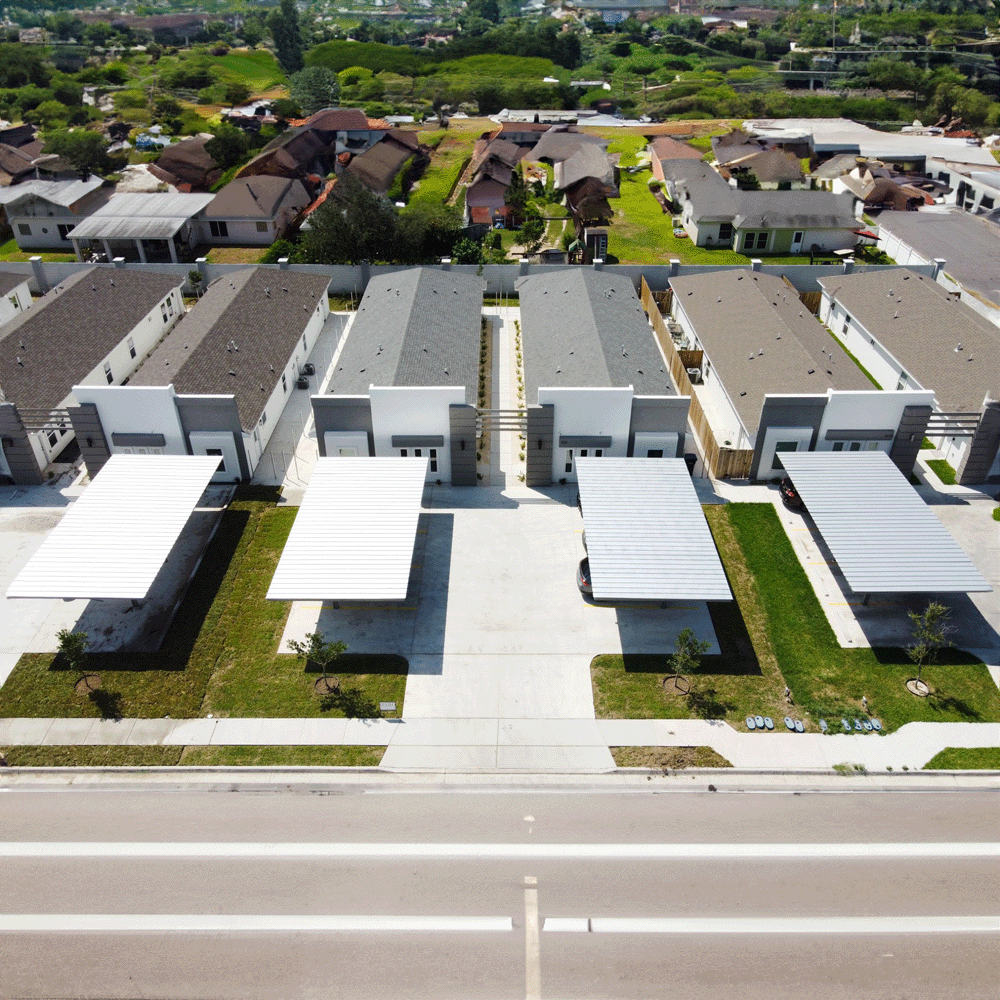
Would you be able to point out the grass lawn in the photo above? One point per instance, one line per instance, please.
(232, 255)
(668, 758)
(447, 163)
(221, 654)
(943, 470)
(259, 70)
(253, 756)
(777, 634)
(965, 759)
(9, 251)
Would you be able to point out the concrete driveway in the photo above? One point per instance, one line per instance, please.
(494, 626)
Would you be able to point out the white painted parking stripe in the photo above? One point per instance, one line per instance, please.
(635, 852)
(121, 923)
(774, 925)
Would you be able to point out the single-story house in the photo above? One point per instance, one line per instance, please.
(253, 211)
(794, 221)
(908, 330)
(187, 165)
(93, 328)
(377, 166)
(596, 383)
(769, 379)
(139, 226)
(406, 380)
(706, 202)
(219, 382)
(42, 213)
(665, 148)
(770, 169)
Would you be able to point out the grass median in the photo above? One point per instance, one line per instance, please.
(221, 653)
(776, 634)
(244, 756)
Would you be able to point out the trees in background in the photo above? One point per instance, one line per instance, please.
(314, 88)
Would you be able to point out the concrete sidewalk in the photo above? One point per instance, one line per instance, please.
(563, 745)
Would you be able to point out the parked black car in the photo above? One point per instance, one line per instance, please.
(790, 495)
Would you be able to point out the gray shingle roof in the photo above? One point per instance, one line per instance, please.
(559, 144)
(760, 339)
(72, 328)
(260, 311)
(794, 210)
(916, 319)
(586, 328)
(9, 280)
(418, 327)
(710, 196)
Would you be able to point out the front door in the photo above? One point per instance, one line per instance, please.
(797, 242)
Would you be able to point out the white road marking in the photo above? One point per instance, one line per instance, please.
(635, 852)
(532, 945)
(121, 923)
(774, 925)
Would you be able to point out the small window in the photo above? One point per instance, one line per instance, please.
(284, 383)
(654, 453)
(12, 299)
(263, 418)
(871, 446)
(222, 461)
(163, 311)
(219, 229)
(417, 453)
(838, 445)
(855, 446)
(583, 453)
(107, 372)
(434, 459)
(780, 447)
(599, 453)
(130, 343)
(64, 231)
(170, 305)
(569, 460)
(261, 227)
(305, 345)
(725, 232)
(53, 438)
(23, 229)
(402, 453)
(762, 241)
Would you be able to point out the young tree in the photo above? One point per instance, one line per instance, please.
(314, 88)
(87, 151)
(930, 634)
(317, 650)
(516, 196)
(284, 27)
(73, 649)
(688, 651)
(532, 233)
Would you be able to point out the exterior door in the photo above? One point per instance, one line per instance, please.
(797, 242)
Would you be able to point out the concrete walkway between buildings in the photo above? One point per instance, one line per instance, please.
(553, 745)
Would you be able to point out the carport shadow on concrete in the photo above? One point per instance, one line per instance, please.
(414, 628)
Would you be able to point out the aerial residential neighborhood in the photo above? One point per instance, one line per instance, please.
(560, 436)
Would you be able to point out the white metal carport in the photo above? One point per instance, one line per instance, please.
(647, 537)
(880, 531)
(113, 541)
(353, 535)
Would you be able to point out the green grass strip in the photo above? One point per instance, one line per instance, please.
(965, 759)
(943, 470)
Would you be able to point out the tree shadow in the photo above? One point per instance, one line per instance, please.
(705, 703)
(109, 703)
(948, 703)
(353, 702)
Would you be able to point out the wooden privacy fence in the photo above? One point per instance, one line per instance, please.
(722, 462)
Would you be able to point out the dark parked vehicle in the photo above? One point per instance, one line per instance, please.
(583, 577)
(790, 495)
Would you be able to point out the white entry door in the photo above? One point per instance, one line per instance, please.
(797, 242)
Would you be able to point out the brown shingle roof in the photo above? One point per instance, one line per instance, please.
(260, 311)
(257, 198)
(72, 328)
(666, 148)
(378, 165)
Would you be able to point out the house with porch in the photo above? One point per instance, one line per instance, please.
(217, 384)
(596, 383)
(42, 213)
(405, 383)
(92, 329)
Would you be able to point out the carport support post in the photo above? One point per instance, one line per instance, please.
(868, 597)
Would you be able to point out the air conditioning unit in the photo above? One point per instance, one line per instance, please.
(694, 374)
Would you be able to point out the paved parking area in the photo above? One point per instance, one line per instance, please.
(494, 626)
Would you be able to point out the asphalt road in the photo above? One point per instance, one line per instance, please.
(467, 894)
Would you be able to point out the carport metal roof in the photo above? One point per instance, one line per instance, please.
(353, 535)
(881, 533)
(647, 537)
(114, 540)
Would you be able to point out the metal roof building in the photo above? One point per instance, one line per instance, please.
(647, 537)
(150, 216)
(114, 540)
(881, 533)
(353, 535)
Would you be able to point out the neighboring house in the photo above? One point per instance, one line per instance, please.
(596, 383)
(524, 134)
(561, 142)
(706, 202)
(42, 213)
(406, 379)
(253, 211)
(15, 165)
(187, 165)
(665, 148)
(93, 328)
(769, 169)
(587, 201)
(488, 189)
(768, 378)
(378, 165)
(880, 191)
(794, 221)
(15, 296)
(908, 330)
(588, 163)
(973, 188)
(218, 384)
(152, 226)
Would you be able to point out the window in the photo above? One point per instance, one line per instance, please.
(284, 383)
(755, 241)
(847, 323)
(107, 372)
(163, 311)
(598, 453)
(222, 461)
(53, 438)
(64, 231)
(838, 445)
(130, 343)
(263, 418)
(986, 202)
(725, 232)
(781, 446)
(24, 229)
(583, 453)
(170, 305)
(418, 453)
(305, 345)
(12, 299)
(434, 459)
(903, 377)
(569, 459)
(261, 227)
(855, 446)
(402, 453)
(219, 229)
(654, 453)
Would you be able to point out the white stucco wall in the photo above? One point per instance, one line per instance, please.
(593, 412)
(415, 410)
(44, 230)
(203, 441)
(867, 411)
(242, 232)
(350, 443)
(15, 302)
(140, 409)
